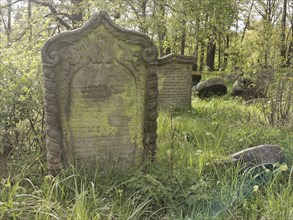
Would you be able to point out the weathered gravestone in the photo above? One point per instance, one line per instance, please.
(174, 81)
(100, 96)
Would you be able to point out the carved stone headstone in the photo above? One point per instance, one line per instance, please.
(174, 81)
(100, 96)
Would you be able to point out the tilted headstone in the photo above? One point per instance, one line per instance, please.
(174, 81)
(100, 96)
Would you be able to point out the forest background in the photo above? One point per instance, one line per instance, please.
(253, 38)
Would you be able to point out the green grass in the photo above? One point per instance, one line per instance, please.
(188, 180)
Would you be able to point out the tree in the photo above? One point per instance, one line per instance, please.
(76, 16)
(7, 21)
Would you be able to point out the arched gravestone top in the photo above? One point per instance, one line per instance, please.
(177, 58)
(174, 81)
(100, 96)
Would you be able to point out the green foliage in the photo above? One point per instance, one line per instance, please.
(189, 180)
(278, 110)
(263, 43)
(21, 107)
(21, 103)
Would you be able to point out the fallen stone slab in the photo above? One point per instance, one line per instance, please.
(259, 155)
(211, 87)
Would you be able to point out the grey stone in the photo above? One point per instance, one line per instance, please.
(211, 87)
(248, 89)
(174, 81)
(259, 155)
(100, 97)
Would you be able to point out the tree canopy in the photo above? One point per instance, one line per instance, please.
(223, 34)
(238, 36)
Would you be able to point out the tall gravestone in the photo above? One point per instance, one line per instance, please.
(174, 81)
(100, 96)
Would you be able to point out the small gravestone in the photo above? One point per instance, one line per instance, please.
(100, 97)
(174, 81)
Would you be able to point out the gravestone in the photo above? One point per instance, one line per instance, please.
(174, 81)
(100, 97)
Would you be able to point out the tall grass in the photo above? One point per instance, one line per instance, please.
(188, 180)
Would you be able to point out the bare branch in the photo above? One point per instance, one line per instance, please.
(9, 5)
(4, 23)
(54, 12)
(59, 13)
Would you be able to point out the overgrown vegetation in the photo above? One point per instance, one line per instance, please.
(189, 179)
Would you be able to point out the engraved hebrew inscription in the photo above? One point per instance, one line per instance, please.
(104, 116)
(174, 83)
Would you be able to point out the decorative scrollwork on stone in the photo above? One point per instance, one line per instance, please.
(50, 58)
(151, 118)
(150, 54)
(53, 128)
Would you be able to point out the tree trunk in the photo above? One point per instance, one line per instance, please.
(161, 45)
(9, 20)
(201, 61)
(211, 51)
(203, 45)
(196, 48)
(219, 51)
(283, 31)
(161, 28)
(143, 27)
(183, 42)
(76, 16)
(225, 53)
(247, 23)
(183, 39)
(290, 48)
(54, 13)
(29, 17)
